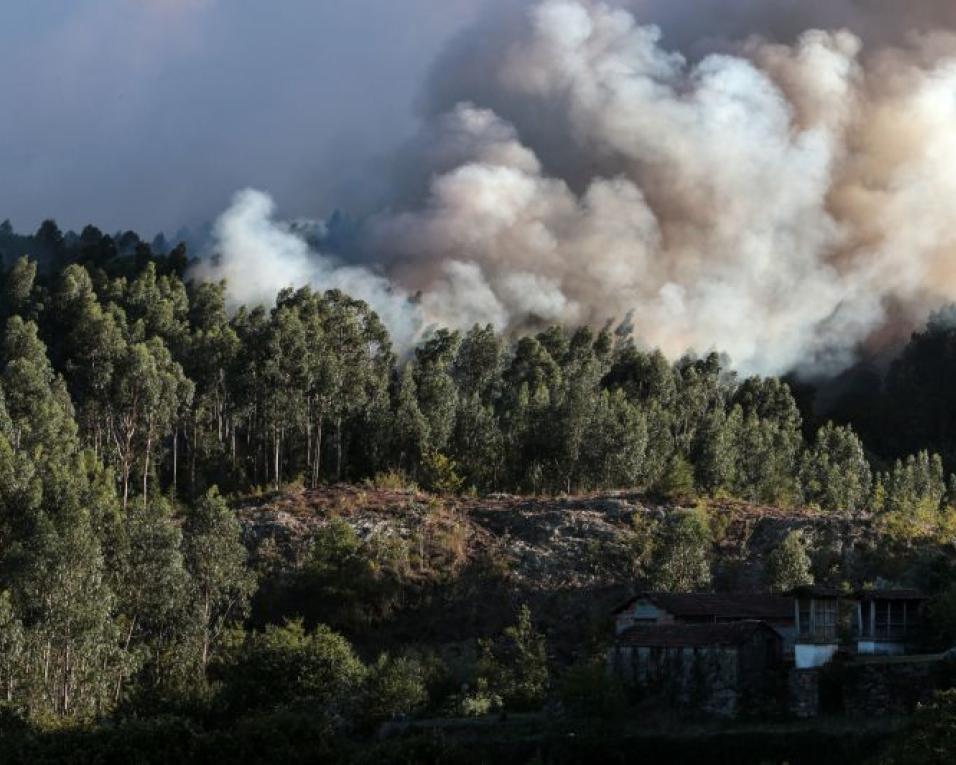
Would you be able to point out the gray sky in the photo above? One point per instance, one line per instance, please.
(149, 114)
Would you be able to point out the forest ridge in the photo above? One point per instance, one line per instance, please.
(133, 402)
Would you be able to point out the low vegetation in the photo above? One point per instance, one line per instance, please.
(137, 414)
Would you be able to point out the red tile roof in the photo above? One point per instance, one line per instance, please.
(891, 595)
(694, 635)
(719, 605)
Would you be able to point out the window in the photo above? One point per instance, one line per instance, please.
(804, 618)
(897, 618)
(882, 619)
(826, 620)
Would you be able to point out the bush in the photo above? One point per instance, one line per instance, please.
(349, 583)
(681, 561)
(394, 687)
(589, 690)
(282, 665)
(930, 738)
(481, 701)
(678, 479)
(441, 473)
(395, 480)
(788, 566)
(516, 665)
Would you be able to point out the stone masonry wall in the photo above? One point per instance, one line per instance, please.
(804, 693)
(874, 688)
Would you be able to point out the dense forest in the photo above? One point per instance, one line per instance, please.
(135, 405)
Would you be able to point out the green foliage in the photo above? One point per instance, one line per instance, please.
(349, 583)
(678, 479)
(481, 700)
(515, 666)
(930, 739)
(126, 393)
(217, 562)
(589, 689)
(174, 393)
(395, 687)
(682, 560)
(835, 473)
(942, 612)
(282, 665)
(789, 565)
(392, 479)
(440, 473)
(910, 497)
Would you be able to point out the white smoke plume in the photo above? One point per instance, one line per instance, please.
(785, 202)
(259, 256)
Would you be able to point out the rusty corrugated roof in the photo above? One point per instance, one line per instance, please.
(717, 605)
(901, 594)
(694, 635)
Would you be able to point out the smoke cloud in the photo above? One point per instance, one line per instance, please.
(778, 188)
(259, 256)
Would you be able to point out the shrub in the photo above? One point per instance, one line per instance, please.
(682, 559)
(788, 566)
(931, 736)
(395, 686)
(516, 665)
(589, 690)
(350, 583)
(678, 478)
(395, 480)
(441, 473)
(481, 701)
(281, 665)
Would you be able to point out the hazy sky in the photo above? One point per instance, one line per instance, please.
(149, 114)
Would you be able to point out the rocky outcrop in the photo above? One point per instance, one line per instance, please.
(473, 560)
(550, 543)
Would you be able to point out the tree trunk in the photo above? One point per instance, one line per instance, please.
(338, 449)
(126, 472)
(192, 463)
(276, 438)
(149, 445)
(175, 458)
(317, 457)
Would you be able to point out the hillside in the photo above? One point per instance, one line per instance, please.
(468, 563)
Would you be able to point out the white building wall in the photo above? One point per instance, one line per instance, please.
(810, 656)
(880, 648)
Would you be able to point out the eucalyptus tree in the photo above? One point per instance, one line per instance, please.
(479, 363)
(615, 448)
(284, 375)
(155, 603)
(216, 560)
(714, 455)
(18, 287)
(835, 473)
(437, 392)
(157, 306)
(409, 431)
(148, 390)
(50, 548)
(361, 362)
(89, 344)
(209, 361)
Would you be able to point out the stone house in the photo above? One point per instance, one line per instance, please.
(816, 612)
(716, 669)
(657, 608)
(888, 622)
(723, 655)
(867, 622)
